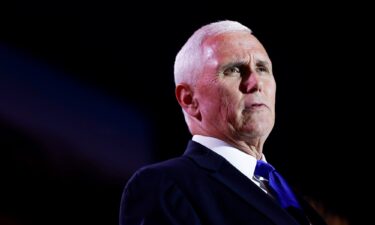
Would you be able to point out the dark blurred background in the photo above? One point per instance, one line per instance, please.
(87, 97)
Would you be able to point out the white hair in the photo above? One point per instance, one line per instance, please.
(187, 62)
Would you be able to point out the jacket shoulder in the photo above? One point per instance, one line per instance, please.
(168, 168)
(156, 193)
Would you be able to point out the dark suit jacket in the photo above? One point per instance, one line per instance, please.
(200, 187)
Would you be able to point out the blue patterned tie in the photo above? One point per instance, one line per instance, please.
(279, 187)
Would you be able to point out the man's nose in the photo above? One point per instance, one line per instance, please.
(252, 83)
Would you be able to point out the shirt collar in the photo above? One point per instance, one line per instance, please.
(245, 163)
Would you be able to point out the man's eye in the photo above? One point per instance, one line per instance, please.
(262, 69)
(232, 71)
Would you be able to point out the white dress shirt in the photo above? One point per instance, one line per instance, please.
(243, 162)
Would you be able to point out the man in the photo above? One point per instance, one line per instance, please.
(226, 88)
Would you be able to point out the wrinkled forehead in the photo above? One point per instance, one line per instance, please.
(238, 45)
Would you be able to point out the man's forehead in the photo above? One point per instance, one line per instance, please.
(232, 39)
(234, 48)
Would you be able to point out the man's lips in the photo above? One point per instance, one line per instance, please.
(256, 106)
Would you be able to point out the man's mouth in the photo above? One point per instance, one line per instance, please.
(255, 106)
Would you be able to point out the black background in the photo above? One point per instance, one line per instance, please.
(320, 56)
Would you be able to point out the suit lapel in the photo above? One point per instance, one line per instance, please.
(228, 175)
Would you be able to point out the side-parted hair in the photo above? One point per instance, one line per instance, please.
(188, 59)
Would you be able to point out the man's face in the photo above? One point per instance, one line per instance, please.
(236, 91)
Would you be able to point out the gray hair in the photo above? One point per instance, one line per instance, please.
(188, 58)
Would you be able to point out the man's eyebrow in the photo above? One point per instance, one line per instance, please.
(233, 64)
(244, 62)
(262, 63)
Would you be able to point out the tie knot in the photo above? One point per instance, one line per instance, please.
(263, 169)
(278, 185)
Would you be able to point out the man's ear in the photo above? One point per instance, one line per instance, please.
(185, 97)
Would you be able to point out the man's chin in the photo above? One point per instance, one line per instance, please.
(256, 132)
